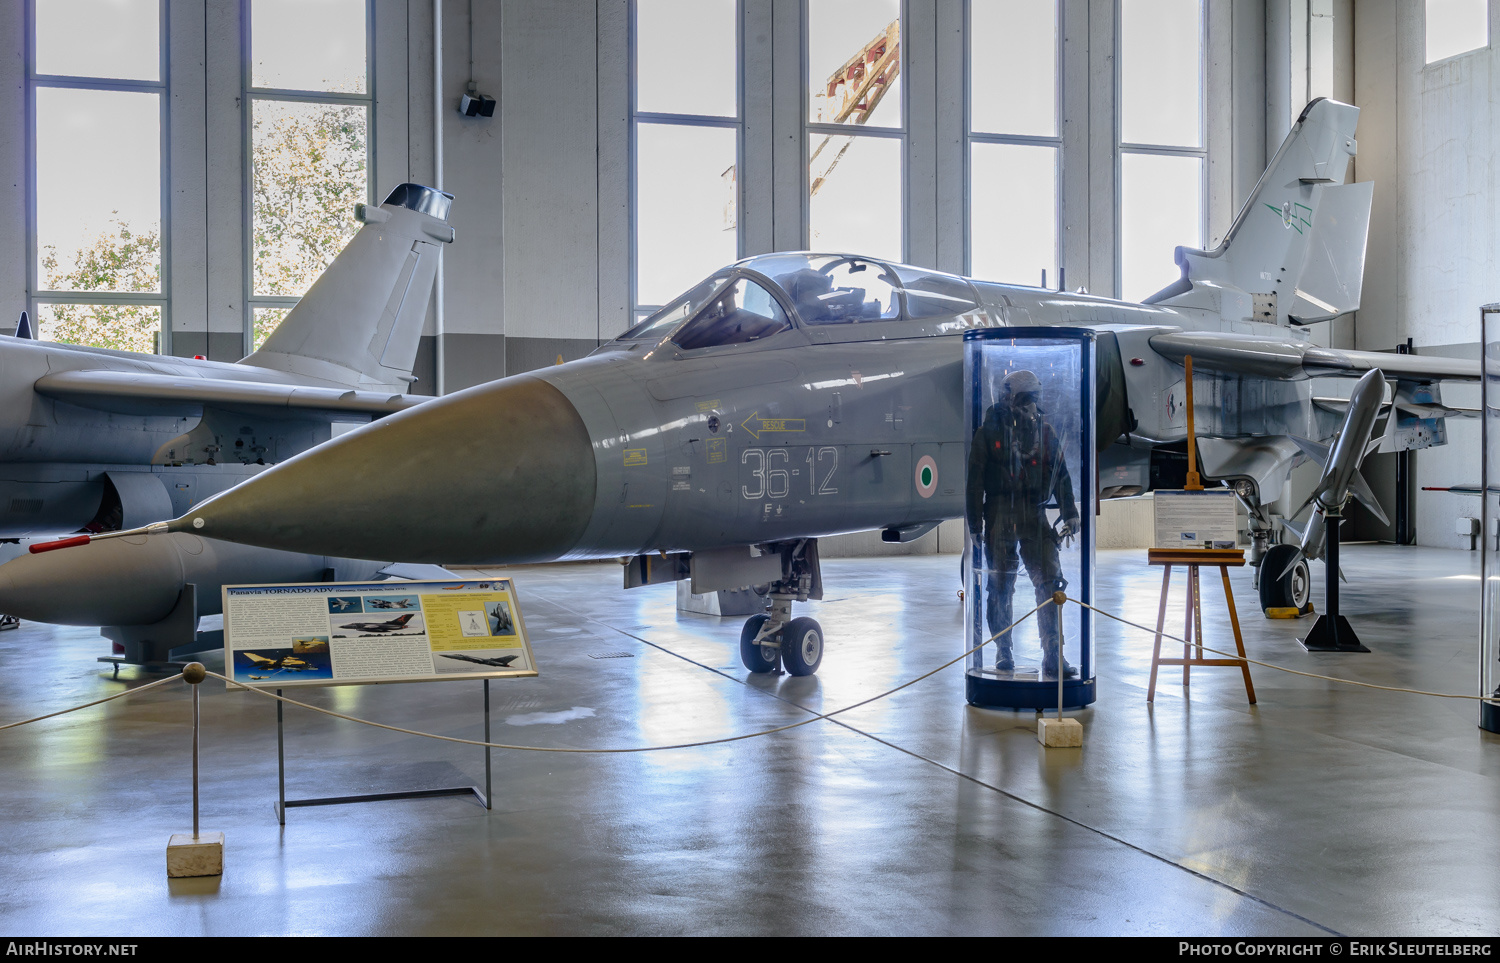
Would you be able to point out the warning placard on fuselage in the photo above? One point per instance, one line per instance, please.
(1196, 519)
(349, 633)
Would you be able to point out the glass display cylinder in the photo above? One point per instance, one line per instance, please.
(1030, 503)
(1489, 487)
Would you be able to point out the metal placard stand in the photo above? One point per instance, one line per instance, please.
(283, 803)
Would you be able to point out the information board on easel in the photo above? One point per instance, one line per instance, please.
(357, 633)
(1208, 518)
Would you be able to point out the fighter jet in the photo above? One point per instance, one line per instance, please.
(795, 395)
(286, 663)
(97, 440)
(341, 605)
(394, 625)
(500, 663)
(402, 603)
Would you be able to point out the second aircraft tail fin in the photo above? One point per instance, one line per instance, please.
(1295, 254)
(360, 322)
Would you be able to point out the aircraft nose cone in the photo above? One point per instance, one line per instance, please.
(503, 472)
(130, 580)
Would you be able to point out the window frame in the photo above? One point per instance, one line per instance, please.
(248, 96)
(1488, 40)
(639, 311)
(901, 134)
(1121, 147)
(38, 296)
(971, 137)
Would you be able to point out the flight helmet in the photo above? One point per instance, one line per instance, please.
(1021, 389)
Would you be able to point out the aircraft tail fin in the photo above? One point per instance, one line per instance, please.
(1295, 253)
(360, 322)
(24, 328)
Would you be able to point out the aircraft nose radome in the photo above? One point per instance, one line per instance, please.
(126, 581)
(503, 472)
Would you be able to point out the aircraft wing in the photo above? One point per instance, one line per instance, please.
(1285, 359)
(133, 392)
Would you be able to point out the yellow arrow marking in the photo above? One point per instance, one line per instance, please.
(772, 424)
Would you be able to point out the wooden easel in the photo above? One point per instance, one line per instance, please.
(1192, 647)
(1192, 558)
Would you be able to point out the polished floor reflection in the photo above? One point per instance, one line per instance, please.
(1323, 809)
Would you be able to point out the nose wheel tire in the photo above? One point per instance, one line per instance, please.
(802, 646)
(1290, 591)
(753, 654)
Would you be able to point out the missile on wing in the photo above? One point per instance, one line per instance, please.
(1341, 460)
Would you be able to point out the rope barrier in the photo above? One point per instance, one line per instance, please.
(117, 695)
(1281, 668)
(682, 745)
(748, 735)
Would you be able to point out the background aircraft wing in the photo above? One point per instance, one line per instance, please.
(1285, 359)
(132, 392)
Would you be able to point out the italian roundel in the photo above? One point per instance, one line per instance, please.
(926, 476)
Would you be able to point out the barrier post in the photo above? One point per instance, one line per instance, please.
(201, 854)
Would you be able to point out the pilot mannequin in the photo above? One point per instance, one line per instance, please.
(1016, 468)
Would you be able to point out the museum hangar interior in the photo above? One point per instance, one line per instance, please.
(179, 175)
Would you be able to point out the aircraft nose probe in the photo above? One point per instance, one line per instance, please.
(155, 528)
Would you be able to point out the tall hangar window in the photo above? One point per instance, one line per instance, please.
(308, 119)
(1163, 161)
(685, 110)
(856, 128)
(1456, 26)
(97, 80)
(1015, 147)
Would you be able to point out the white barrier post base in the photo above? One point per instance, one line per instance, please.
(201, 855)
(1059, 733)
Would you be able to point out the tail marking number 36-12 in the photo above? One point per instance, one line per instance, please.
(770, 477)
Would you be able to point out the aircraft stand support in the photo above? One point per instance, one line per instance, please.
(1332, 633)
(283, 804)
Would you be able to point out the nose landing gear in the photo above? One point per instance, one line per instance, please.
(775, 640)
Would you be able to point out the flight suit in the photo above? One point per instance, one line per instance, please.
(1015, 468)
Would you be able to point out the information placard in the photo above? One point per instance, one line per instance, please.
(356, 633)
(1201, 519)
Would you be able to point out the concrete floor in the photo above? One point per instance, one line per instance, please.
(1324, 809)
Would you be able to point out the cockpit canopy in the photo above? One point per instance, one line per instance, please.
(749, 300)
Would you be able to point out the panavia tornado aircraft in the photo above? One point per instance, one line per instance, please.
(404, 603)
(394, 625)
(286, 663)
(501, 663)
(98, 440)
(791, 396)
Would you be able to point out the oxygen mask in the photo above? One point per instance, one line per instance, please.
(1024, 404)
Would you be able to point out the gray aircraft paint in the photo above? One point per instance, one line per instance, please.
(820, 429)
(91, 435)
(71, 417)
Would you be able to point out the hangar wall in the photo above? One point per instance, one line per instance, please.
(1428, 135)
(542, 267)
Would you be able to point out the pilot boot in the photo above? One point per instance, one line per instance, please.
(1004, 662)
(1049, 665)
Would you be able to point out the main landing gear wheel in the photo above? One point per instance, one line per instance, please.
(1288, 591)
(802, 646)
(757, 656)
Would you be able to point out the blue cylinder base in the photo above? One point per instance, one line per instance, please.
(1489, 716)
(1018, 694)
